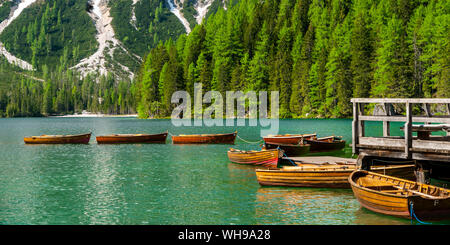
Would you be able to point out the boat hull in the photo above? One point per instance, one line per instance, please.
(389, 205)
(205, 139)
(288, 139)
(321, 146)
(264, 158)
(427, 209)
(290, 150)
(58, 139)
(137, 138)
(304, 178)
(381, 196)
(325, 176)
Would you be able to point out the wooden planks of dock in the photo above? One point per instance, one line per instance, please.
(424, 147)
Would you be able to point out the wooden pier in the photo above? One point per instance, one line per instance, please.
(424, 149)
(321, 160)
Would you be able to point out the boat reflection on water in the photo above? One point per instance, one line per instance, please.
(249, 168)
(304, 206)
(366, 217)
(244, 173)
(312, 206)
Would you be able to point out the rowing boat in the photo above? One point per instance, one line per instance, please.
(330, 143)
(289, 149)
(132, 138)
(399, 197)
(204, 139)
(294, 139)
(58, 139)
(322, 176)
(264, 158)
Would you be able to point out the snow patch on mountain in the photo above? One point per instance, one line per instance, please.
(15, 12)
(107, 43)
(202, 9)
(133, 14)
(175, 6)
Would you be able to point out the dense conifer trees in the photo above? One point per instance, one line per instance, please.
(317, 54)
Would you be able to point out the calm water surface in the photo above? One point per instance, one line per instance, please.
(158, 183)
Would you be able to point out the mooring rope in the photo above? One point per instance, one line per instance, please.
(293, 164)
(246, 141)
(414, 215)
(249, 142)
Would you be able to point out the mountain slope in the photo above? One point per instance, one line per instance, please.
(7, 19)
(53, 33)
(109, 46)
(98, 36)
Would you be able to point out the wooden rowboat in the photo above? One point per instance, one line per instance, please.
(204, 139)
(294, 139)
(289, 149)
(399, 197)
(324, 176)
(330, 143)
(264, 158)
(132, 138)
(58, 139)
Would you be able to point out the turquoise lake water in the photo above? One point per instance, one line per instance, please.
(159, 184)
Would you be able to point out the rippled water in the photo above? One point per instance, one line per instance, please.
(157, 183)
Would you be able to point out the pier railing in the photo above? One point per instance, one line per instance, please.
(421, 147)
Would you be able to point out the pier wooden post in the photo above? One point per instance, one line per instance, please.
(355, 125)
(448, 112)
(408, 130)
(362, 162)
(387, 124)
(386, 128)
(361, 131)
(422, 174)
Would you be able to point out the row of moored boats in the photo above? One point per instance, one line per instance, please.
(390, 189)
(132, 138)
(292, 145)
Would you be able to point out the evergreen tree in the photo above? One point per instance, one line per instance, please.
(361, 51)
(258, 70)
(281, 70)
(299, 101)
(393, 74)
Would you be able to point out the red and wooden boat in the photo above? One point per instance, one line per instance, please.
(263, 158)
(322, 176)
(293, 139)
(132, 138)
(204, 139)
(399, 197)
(289, 149)
(58, 139)
(330, 143)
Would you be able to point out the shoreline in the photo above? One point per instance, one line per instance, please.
(159, 118)
(95, 115)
